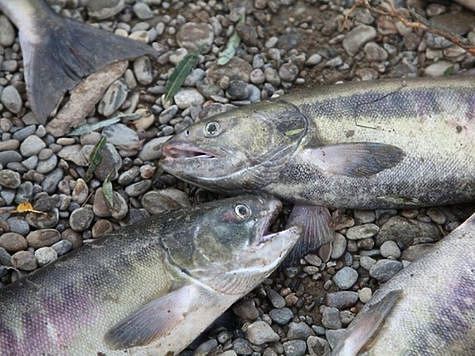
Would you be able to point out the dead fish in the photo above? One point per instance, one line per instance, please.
(147, 289)
(426, 309)
(365, 145)
(58, 52)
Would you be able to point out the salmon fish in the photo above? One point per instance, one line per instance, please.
(364, 145)
(148, 289)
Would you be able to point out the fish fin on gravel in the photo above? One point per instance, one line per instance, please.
(366, 326)
(153, 320)
(65, 52)
(317, 231)
(354, 159)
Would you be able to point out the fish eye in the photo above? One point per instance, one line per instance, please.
(242, 211)
(212, 129)
(187, 132)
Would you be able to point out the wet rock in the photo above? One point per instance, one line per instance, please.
(345, 278)
(122, 137)
(9, 179)
(113, 98)
(11, 99)
(362, 231)
(404, 231)
(157, 201)
(45, 255)
(24, 260)
(103, 9)
(196, 36)
(80, 219)
(384, 269)
(295, 348)
(260, 333)
(317, 346)
(188, 97)
(13, 242)
(153, 149)
(358, 37)
(43, 237)
(281, 316)
(341, 300)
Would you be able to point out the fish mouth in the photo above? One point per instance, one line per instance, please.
(185, 151)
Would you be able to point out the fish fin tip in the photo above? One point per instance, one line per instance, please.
(317, 232)
(68, 52)
(362, 331)
(151, 321)
(362, 159)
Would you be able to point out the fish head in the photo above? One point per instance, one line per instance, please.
(230, 248)
(239, 150)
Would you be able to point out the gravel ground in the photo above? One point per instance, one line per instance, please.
(284, 44)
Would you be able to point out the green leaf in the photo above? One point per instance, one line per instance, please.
(108, 193)
(95, 158)
(179, 75)
(231, 47)
(86, 128)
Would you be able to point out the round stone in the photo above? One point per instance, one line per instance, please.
(295, 347)
(157, 201)
(43, 237)
(188, 97)
(9, 179)
(390, 249)
(288, 72)
(11, 99)
(383, 270)
(45, 255)
(13, 242)
(345, 278)
(24, 260)
(362, 231)
(62, 247)
(299, 330)
(32, 145)
(281, 316)
(365, 294)
(260, 333)
(196, 36)
(80, 219)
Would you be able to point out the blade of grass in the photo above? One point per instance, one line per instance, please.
(95, 158)
(179, 75)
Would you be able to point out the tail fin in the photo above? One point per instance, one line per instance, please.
(66, 52)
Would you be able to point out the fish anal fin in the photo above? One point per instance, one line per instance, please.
(366, 325)
(66, 52)
(317, 231)
(362, 159)
(153, 320)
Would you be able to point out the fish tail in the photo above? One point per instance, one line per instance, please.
(63, 52)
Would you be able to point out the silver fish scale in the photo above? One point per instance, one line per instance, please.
(433, 126)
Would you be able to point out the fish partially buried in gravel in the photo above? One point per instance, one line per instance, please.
(366, 145)
(59, 52)
(426, 309)
(149, 288)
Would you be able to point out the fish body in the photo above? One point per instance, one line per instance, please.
(366, 145)
(426, 309)
(147, 289)
(59, 52)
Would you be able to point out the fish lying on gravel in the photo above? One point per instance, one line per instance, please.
(58, 52)
(150, 288)
(366, 145)
(426, 309)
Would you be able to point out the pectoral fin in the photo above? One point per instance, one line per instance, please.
(153, 320)
(67, 52)
(317, 231)
(354, 159)
(366, 325)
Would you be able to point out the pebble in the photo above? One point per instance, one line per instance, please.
(11, 99)
(314, 59)
(13, 242)
(32, 145)
(113, 98)
(390, 249)
(358, 37)
(73, 237)
(242, 347)
(143, 70)
(157, 201)
(339, 246)
(367, 262)
(362, 231)
(295, 347)
(104, 9)
(137, 189)
(7, 32)
(260, 333)
(330, 317)
(276, 299)
(365, 294)
(5, 258)
(142, 11)
(24, 260)
(80, 191)
(345, 278)
(413, 253)
(384, 269)
(18, 225)
(317, 346)
(9, 156)
(80, 219)
(205, 348)
(299, 330)
(122, 137)
(194, 36)
(9, 179)
(43, 237)
(246, 310)
(51, 181)
(281, 316)
(153, 149)
(62, 247)
(188, 97)
(438, 69)
(102, 227)
(341, 300)
(45, 255)
(288, 72)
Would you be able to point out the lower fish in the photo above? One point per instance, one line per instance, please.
(426, 309)
(59, 52)
(147, 289)
(395, 143)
